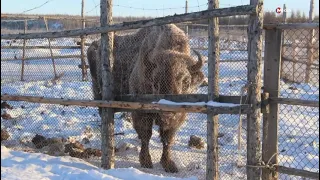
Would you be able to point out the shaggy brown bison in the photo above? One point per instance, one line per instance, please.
(154, 60)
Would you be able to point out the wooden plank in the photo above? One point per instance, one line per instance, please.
(298, 102)
(271, 26)
(131, 105)
(297, 172)
(42, 58)
(254, 90)
(221, 12)
(296, 61)
(191, 98)
(235, 61)
(212, 168)
(24, 50)
(300, 45)
(273, 44)
(107, 114)
(170, 97)
(41, 47)
(292, 26)
(222, 49)
(84, 71)
(179, 98)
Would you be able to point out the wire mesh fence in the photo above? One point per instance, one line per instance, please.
(301, 56)
(75, 130)
(79, 127)
(299, 125)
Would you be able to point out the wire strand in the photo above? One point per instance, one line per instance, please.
(37, 7)
(148, 9)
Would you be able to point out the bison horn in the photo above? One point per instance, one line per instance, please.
(199, 64)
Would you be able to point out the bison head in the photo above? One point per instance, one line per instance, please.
(176, 73)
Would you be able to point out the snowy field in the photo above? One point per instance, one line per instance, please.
(298, 130)
(23, 165)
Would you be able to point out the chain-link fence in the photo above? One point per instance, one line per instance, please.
(75, 130)
(299, 125)
(61, 127)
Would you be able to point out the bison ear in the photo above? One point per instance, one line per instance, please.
(92, 59)
(197, 78)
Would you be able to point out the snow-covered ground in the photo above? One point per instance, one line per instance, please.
(298, 130)
(24, 165)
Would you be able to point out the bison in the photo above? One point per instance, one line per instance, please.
(154, 60)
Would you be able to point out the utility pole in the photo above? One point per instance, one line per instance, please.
(186, 11)
(83, 62)
(311, 41)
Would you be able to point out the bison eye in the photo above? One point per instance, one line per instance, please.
(185, 83)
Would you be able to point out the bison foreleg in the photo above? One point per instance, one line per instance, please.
(167, 138)
(143, 126)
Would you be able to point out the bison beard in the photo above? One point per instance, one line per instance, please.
(157, 60)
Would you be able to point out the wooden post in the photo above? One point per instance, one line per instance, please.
(212, 171)
(107, 117)
(284, 21)
(51, 53)
(186, 24)
(254, 91)
(311, 40)
(272, 61)
(294, 60)
(24, 50)
(82, 45)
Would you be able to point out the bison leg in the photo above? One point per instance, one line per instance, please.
(167, 138)
(143, 125)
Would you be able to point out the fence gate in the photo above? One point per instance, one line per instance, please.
(290, 130)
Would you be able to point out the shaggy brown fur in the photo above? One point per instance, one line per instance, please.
(158, 61)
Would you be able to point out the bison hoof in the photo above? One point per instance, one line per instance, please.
(169, 166)
(145, 161)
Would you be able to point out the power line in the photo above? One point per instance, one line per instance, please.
(37, 7)
(148, 9)
(152, 9)
(95, 5)
(93, 8)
